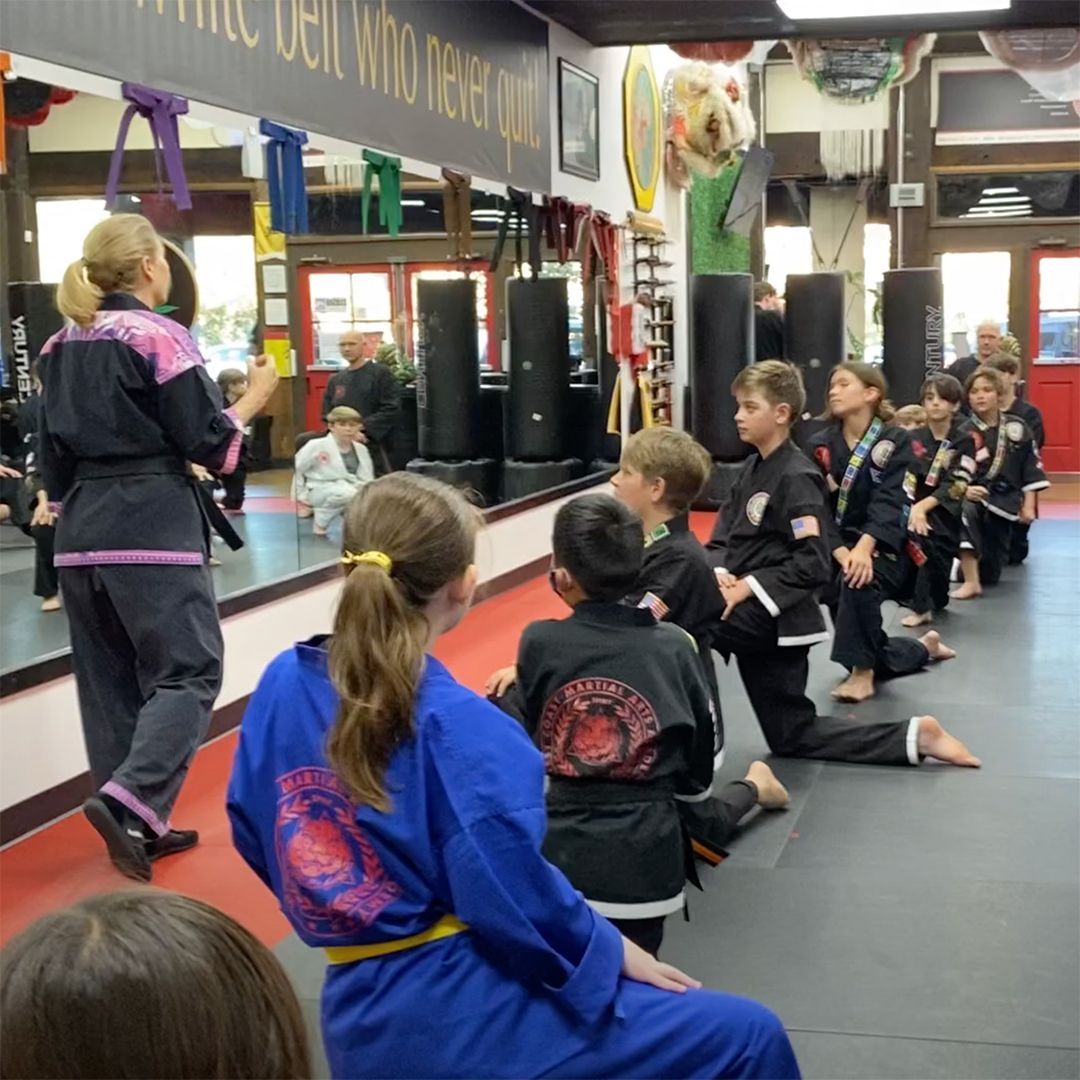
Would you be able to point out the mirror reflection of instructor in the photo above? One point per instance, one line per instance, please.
(371, 389)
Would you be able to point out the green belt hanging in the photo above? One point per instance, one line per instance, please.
(388, 169)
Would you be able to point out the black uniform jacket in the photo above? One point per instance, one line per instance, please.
(877, 502)
(1020, 468)
(948, 481)
(373, 391)
(617, 705)
(772, 532)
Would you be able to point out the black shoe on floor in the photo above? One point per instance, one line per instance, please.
(172, 843)
(127, 847)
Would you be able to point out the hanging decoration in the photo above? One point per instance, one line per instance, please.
(713, 52)
(285, 177)
(642, 126)
(160, 110)
(388, 169)
(1048, 60)
(707, 118)
(27, 103)
(859, 69)
(518, 210)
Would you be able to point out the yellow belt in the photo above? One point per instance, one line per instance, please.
(447, 926)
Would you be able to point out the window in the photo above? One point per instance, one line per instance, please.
(1059, 309)
(976, 287)
(788, 250)
(1001, 198)
(347, 301)
(877, 241)
(228, 299)
(62, 225)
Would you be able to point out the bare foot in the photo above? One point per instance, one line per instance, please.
(771, 794)
(214, 560)
(858, 686)
(937, 648)
(968, 591)
(936, 742)
(50, 603)
(917, 619)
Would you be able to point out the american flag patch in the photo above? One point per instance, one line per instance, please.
(804, 527)
(657, 606)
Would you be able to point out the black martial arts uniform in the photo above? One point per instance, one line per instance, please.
(768, 335)
(373, 391)
(942, 469)
(617, 704)
(1008, 469)
(127, 403)
(772, 533)
(870, 500)
(1018, 536)
(46, 581)
(677, 585)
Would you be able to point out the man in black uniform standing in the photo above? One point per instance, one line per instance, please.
(371, 389)
(768, 323)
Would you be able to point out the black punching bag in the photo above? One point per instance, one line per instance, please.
(539, 403)
(814, 330)
(448, 371)
(34, 319)
(912, 317)
(721, 345)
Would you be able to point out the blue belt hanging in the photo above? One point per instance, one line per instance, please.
(285, 177)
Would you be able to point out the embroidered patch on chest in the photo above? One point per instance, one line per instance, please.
(755, 507)
(1015, 430)
(881, 453)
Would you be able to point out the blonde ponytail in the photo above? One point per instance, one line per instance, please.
(405, 538)
(112, 254)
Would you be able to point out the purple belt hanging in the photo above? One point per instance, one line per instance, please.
(285, 177)
(160, 109)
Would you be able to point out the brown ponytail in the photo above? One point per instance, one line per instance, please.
(427, 531)
(112, 253)
(874, 378)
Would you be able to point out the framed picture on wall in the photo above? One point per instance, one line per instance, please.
(579, 122)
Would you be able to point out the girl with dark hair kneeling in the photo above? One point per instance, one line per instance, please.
(865, 459)
(398, 817)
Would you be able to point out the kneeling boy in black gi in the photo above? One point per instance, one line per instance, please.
(1002, 492)
(618, 706)
(943, 462)
(771, 553)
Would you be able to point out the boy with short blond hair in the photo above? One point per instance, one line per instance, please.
(910, 417)
(771, 553)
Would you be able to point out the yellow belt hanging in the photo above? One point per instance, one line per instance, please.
(447, 926)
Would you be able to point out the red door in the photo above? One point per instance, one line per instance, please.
(1054, 372)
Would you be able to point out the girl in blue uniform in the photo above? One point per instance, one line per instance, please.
(398, 817)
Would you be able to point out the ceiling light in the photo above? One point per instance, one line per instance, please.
(1001, 191)
(821, 10)
(1005, 200)
(413, 202)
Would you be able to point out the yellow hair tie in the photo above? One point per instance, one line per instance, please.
(369, 558)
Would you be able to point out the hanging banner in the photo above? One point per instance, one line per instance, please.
(462, 84)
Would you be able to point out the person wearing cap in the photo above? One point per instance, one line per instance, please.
(332, 469)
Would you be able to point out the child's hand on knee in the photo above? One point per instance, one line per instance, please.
(501, 681)
(644, 968)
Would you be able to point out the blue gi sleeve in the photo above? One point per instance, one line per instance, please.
(522, 910)
(886, 521)
(190, 411)
(800, 518)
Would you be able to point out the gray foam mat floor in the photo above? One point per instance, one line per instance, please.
(913, 923)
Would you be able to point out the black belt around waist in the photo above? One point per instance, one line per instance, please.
(607, 792)
(161, 465)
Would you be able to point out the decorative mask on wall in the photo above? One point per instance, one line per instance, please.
(706, 119)
(858, 70)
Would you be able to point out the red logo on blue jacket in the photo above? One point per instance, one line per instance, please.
(599, 727)
(333, 881)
